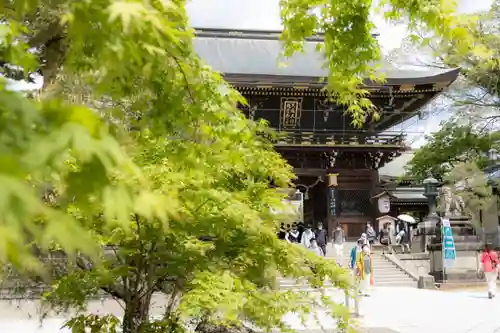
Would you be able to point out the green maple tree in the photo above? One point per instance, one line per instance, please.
(471, 184)
(475, 95)
(146, 155)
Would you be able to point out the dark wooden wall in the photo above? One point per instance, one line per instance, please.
(355, 207)
(319, 115)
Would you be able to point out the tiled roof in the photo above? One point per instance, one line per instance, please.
(258, 53)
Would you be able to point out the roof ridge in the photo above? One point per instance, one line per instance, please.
(250, 34)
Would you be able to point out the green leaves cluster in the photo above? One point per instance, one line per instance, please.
(480, 63)
(472, 185)
(350, 48)
(453, 144)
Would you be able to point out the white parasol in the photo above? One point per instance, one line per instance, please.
(407, 218)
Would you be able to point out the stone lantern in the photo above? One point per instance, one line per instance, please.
(431, 193)
(427, 228)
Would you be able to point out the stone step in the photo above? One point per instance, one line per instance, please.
(384, 267)
(390, 274)
(409, 283)
(389, 266)
(395, 283)
(391, 278)
(377, 273)
(393, 273)
(386, 274)
(383, 264)
(387, 277)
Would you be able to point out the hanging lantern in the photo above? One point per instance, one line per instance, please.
(332, 179)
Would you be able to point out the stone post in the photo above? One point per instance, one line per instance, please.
(426, 228)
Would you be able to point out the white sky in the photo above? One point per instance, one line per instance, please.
(264, 15)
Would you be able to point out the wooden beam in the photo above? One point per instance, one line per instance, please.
(309, 172)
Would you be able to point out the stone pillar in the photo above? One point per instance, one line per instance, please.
(427, 228)
(431, 193)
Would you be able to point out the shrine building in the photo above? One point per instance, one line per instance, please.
(336, 164)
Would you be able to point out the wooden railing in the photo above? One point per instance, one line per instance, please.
(340, 138)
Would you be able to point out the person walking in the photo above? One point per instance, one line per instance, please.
(489, 262)
(307, 235)
(364, 239)
(293, 235)
(371, 234)
(403, 236)
(385, 238)
(364, 270)
(301, 229)
(401, 230)
(338, 243)
(282, 232)
(321, 237)
(354, 254)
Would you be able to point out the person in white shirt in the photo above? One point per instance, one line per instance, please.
(307, 235)
(338, 243)
(292, 236)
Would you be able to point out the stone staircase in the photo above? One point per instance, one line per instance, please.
(386, 274)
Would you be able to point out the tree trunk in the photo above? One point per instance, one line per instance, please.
(136, 313)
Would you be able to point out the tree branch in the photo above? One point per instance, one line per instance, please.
(110, 289)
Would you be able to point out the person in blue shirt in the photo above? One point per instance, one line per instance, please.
(354, 253)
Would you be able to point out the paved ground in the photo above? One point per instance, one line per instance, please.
(410, 310)
(388, 310)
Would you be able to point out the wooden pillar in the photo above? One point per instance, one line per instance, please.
(374, 189)
(332, 201)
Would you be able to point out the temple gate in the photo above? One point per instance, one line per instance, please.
(318, 137)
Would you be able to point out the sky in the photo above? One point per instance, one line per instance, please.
(264, 15)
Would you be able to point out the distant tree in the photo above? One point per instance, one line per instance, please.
(475, 96)
(453, 144)
(471, 183)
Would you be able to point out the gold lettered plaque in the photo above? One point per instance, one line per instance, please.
(291, 110)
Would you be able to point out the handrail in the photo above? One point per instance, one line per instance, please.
(395, 260)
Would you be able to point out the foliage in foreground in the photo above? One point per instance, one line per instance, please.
(163, 169)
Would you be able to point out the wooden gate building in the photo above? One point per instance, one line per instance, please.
(320, 139)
